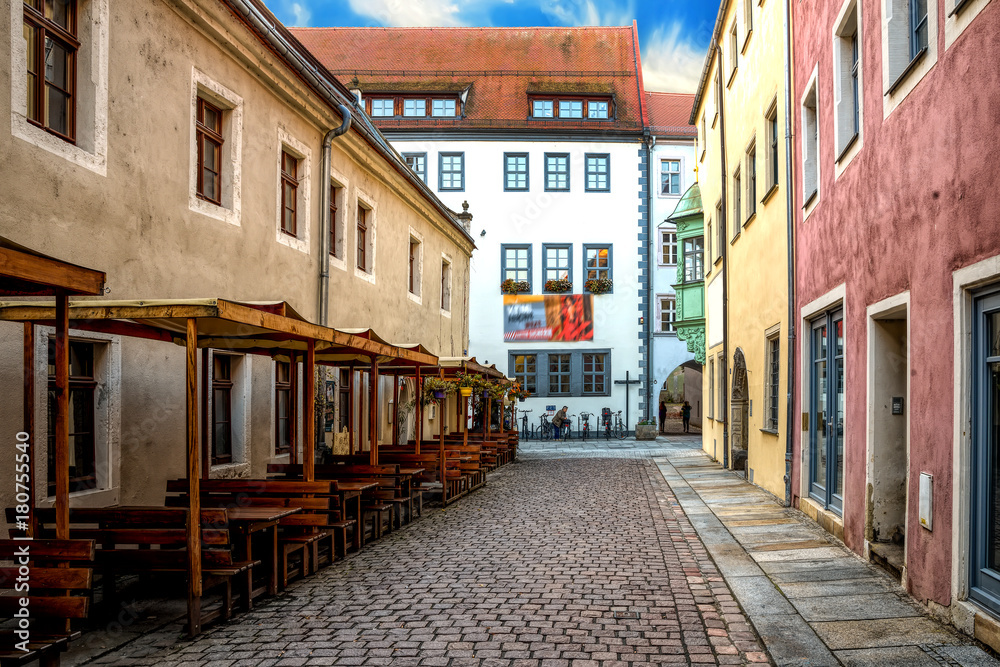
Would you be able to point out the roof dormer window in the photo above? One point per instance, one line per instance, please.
(572, 108)
(415, 107)
(597, 109)
(443, 107)
(409, 106)
(542, 109)
(382, 107)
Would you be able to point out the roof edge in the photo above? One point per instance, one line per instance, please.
(716, 31)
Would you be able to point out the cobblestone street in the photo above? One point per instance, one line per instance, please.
(582, 559)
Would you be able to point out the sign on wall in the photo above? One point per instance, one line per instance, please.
(550, 317)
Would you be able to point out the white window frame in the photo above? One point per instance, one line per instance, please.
(231, 105)
(956, 22)
(91, 148)
(303, 215)
(415, 297)
(810, 164)
(371, 223)
(107, 421)
(239, 466)
(392, 107)
(664, 232)
(447, 283)
(680, 181)
(660, 298)
(847, 144)
(900, 73)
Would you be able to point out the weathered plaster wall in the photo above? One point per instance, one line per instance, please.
(916, 203)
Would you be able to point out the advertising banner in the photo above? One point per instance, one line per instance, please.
(550, 317)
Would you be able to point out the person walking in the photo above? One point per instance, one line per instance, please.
(663, 416)
(558, 421)
(686, 415)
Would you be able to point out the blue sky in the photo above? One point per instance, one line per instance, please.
(673, 34)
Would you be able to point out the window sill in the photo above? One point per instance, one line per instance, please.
(769, 432)
(810, 199)
(917, 59)
(847, 148)
(750, 218)
(718, 261)
(591, 190)
(735, 237)
(732, 77)
(770, 193)
(959, 6)
(746, 42)
(556, 190)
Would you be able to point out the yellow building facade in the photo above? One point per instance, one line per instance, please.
(740, 114)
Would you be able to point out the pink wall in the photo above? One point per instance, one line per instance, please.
(919, 201)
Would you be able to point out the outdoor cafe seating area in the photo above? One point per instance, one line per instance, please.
(231, 541)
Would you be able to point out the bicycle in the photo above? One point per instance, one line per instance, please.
(585, 430)
(544, 428)
(566, 430)
(525, 429)
(620, 430)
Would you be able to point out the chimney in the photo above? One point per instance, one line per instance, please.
(465, 217)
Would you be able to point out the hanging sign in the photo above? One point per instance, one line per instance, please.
(550, 317)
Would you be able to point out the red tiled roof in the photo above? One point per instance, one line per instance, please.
(502, 65)
(669, 113)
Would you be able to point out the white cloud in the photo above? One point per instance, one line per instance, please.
(411, 13)
(587, 12)
(300, 14)
(669, 62)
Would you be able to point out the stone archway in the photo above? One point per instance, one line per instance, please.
(739, 420)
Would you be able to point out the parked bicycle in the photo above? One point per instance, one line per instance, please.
(585, 429)
(620, 430)
(544, 429)
(525, 428)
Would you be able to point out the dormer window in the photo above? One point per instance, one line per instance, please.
(443, 107)
(394, 105)
(415, 108)
(572, 108)
(382, 107)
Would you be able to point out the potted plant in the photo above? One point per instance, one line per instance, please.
(598, 285)
(558, 285)
(467, 383)
(436, 389)
(646, 430)
(511, 286)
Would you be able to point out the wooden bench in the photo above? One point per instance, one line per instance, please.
(454, 482)
(153, 540)
(59, 580)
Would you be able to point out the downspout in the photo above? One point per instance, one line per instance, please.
(650, 263)
(724, 226)
(325, 223)
(790, 243)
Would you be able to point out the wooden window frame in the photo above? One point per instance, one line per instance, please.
(34, 18)
(399, 105)
(213, 135)
(362, 245)
(585, 99)
(289, 180)
(414, 265)
(334, 190)
(77, 383)
(285, 386)
(225, 385)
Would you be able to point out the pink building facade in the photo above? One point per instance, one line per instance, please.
(896, 108)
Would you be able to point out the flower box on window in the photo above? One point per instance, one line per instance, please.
(598, 285)
(511, 286)
(558, 285)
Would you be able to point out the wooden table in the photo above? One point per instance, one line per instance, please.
(351, 490)
(260, 519)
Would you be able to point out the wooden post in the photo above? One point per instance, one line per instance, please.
(418, 431)
(395, 409)
(487, 417)
(194, 483)
(465, 421)
(206, 433)
(62, 417)
(442, 417)
(373, 412)
(293, 426)
(29, 419)
(309, 420)
(350, 410)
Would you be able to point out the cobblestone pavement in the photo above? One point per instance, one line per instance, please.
(579, 558)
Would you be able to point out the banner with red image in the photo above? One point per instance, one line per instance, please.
(550, 317)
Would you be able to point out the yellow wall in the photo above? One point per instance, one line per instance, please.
(757, 255)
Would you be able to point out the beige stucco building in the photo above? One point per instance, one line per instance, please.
(187, 161)
(740, 114)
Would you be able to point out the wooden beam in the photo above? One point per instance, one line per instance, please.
(442, 418)
(418, 431)
(205, 446)
(350, 410)
(293, 439)
(61, 277)
(29, 419)
(395, 410)
(309, 418)
(62, 417)
(373, 412)
(487, 416)
(194, 483)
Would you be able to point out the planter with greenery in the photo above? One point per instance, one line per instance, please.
(646, 430)
(435, 389)
(598, 285)
(558, 285)
(511, 286)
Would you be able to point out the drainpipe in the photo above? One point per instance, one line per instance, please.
(724, 226)
(325, 223)
(790, 242)
(650, 263)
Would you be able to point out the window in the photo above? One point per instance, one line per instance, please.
(668, 247)
(597, 261)
(704, 138)
(83, 387)
(737, 202)
(670, 177)
(559, 374)
(51, 34)
(810, 145)
(747, 19)
(711, 388)
(733, 50)
(597, 172)
(336, 237)
(694, 259)
(525, 371)
(595, 377)
(597, 110)
(222, 409)
(445, 285)
(451, 169)
(558, 262)
(721, 414)
(284, 408)
(289, 192)
(209, 139)
(708, 237)
(752, 179)
(516, 263)
(771, 388)
(557, 171)
(443, 107)
(418, 163)
(668, 313)
(413, 274)
(846, 80)
(720, 228)
(570, 109)
(918, 27)
(771, 136)
(515, 171)
(344, 400)
(415, 108)
(542, 109)
(383, 107)
(362, 254)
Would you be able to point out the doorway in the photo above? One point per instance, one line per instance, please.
(826, 410)
(739, 424)
(888, 420)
